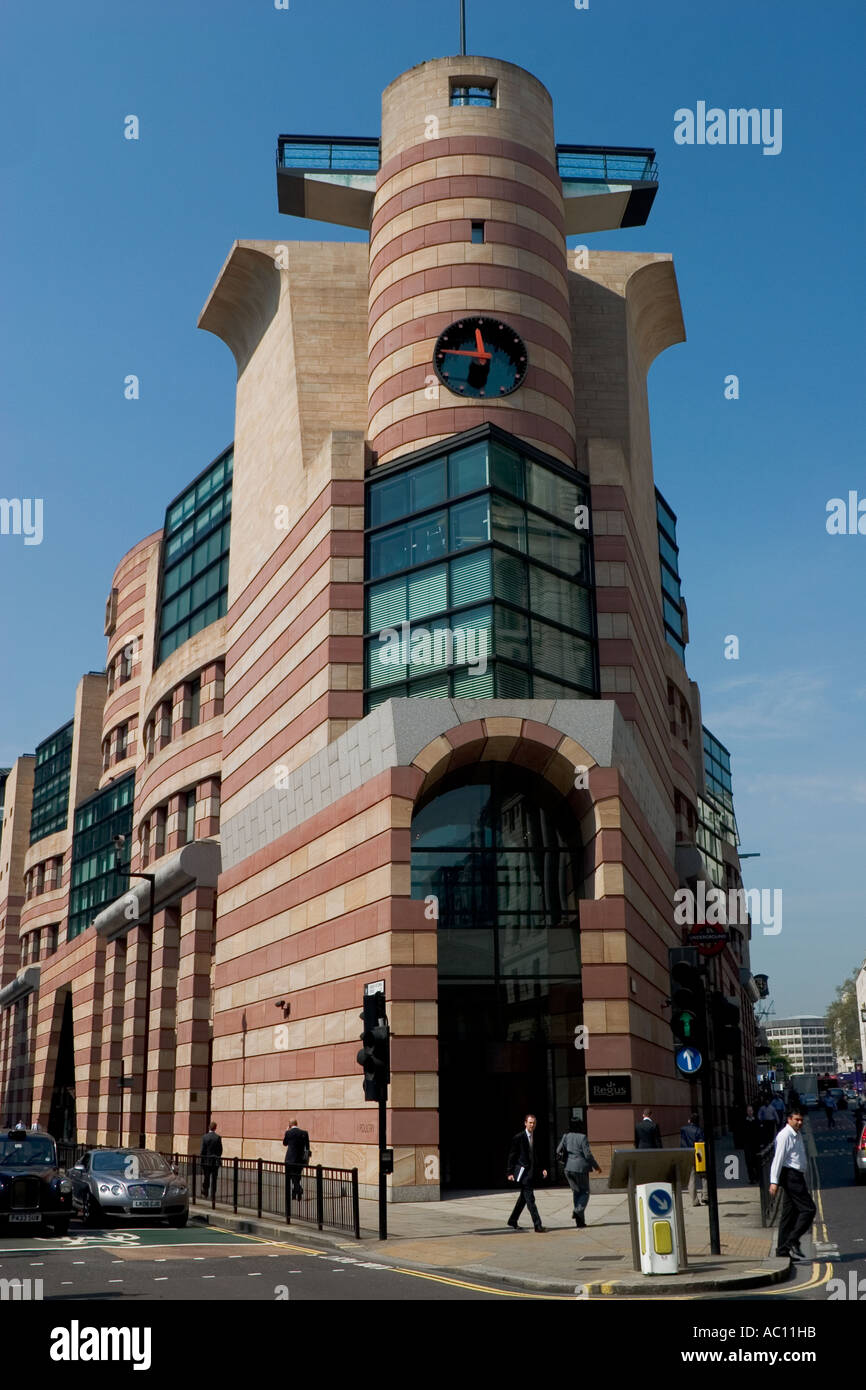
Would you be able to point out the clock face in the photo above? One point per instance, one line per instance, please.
(480, 357)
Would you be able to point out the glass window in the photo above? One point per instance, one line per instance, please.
(389, 551)
(386, 604)
(428, 538)
(470, 523)
(94, 881)
(194, 701)
(471, 578)
(482, 535)
(511, 580)
(558, 653)
(195, 557)
(509, 524)
(512, 634)
(428, 485)
(673, 616)
(564, 550)
(473, 96)
(428, 591)
(189, 824)
(467, 470)
(51, 779)
(506, 469)
(477, 233)
(560, 599)
(389, 499)
(551, 492)
(668, 553)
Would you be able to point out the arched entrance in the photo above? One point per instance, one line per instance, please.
(498, 848)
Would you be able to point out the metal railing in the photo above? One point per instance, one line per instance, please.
(327, 153)
(604, 164)
(329, 1197)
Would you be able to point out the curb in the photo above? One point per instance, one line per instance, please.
(710, 1284)
(776, 1271)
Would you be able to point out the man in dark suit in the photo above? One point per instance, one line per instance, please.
(647, 1134)
(211, 1155)
(297, 1142)
(522, 1167)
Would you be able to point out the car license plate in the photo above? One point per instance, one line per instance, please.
(25, 1216)
(150, 1206)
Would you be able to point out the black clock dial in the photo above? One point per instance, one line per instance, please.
(481, 357)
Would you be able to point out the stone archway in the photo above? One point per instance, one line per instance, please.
(508, 939)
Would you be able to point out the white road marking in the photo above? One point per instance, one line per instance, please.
(160, 1279)
(256, 1275)
(208, 1276)
(115, 1281)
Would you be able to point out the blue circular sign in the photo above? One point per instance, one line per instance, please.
(659, 1202)
(689, 1060)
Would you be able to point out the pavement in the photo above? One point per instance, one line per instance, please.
(467, 1235)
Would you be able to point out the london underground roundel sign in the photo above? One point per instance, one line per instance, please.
(709, 939)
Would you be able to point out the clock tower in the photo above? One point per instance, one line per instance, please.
(469, 318)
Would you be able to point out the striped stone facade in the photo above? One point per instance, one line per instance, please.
(273, 816)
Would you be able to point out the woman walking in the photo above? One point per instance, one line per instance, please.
(574, 1151)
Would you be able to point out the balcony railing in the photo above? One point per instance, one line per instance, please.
(606, 164)
(338, 154)
(351, 154)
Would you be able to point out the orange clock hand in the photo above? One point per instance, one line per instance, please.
(479, 343)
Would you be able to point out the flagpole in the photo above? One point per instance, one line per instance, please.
(462, 28)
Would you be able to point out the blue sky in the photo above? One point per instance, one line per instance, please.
(110, 247)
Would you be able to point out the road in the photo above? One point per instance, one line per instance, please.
(154, 1263)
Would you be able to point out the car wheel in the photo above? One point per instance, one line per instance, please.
(91, 1212)
(178, 1221)
(61, 1227)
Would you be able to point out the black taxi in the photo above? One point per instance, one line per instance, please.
(33, 1191)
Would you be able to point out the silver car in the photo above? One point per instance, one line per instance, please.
(127, 1183)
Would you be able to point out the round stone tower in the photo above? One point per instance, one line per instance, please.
(468, 228)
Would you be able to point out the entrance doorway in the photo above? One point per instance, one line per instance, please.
(498, 851)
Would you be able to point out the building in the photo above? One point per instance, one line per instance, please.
(805, 1040)
(397, 694)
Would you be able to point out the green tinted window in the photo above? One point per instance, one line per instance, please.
(51, 778)
(195, 559)
(434, 566)
(94, 881)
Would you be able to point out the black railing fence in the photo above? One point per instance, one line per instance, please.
(323, 1197)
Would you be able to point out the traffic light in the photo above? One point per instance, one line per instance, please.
(688, 1016)
(375, 1054)
(727, 1039)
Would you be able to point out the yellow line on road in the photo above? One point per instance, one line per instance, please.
(413, 1273)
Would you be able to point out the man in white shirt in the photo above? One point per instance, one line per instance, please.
(788, 1171)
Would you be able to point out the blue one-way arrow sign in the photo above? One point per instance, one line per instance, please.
(689, 1060)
